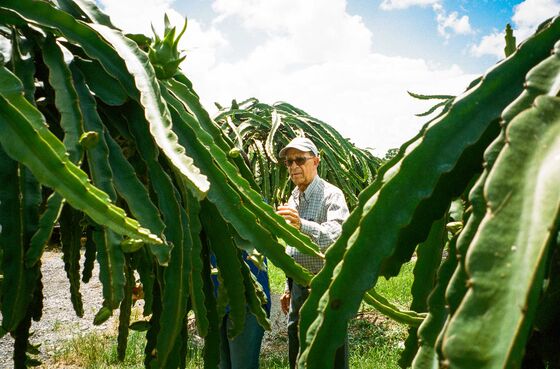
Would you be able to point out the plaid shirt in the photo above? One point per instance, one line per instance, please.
(322, 209)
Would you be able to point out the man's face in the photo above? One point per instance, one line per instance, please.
(301, 174)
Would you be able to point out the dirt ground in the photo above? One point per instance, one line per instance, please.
(60, 323)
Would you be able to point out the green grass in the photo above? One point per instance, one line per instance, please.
(375, 341)
(373, 345)
(100, 351)
(397, 289)
(277, 279)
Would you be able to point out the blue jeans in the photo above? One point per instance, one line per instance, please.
(298, 295)
(241, 352)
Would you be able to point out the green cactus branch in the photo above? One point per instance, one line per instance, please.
(118, 128)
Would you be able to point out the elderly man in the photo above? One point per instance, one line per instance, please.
(317, 209)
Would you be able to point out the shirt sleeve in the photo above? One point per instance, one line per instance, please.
(325, 234)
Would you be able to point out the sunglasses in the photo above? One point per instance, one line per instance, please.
(300, 160)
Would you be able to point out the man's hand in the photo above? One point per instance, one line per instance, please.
(285, 302)
(290, 214)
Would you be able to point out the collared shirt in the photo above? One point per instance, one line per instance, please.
(322, 209)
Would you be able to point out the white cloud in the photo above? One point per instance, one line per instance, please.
(445, 22)
(135, 18)
(403, 4)
(320, 59)
(530, 13)
(527, 16)
(492, 44)
(459, 25)
(314, 56)
(201, 45)
(199, 42)
(313, 31)
(365, 100)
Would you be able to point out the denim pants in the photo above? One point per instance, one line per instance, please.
(298, 296)
(241, 352)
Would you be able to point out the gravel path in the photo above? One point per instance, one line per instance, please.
(60, 323)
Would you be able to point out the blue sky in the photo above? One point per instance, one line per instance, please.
(412, 32)
(346, 62)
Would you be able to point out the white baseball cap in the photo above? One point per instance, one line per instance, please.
(301, 144)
